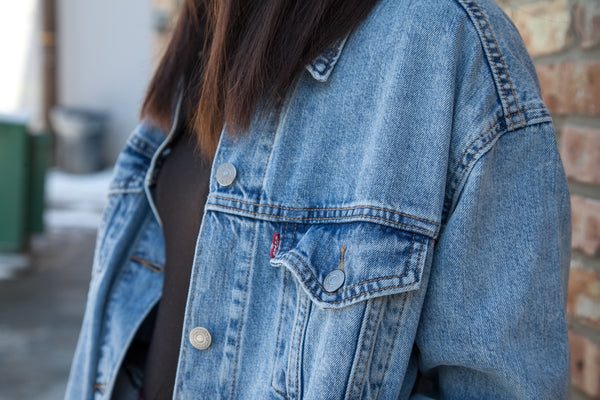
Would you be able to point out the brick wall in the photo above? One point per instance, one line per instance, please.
(563, 37)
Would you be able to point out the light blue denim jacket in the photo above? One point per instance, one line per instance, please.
(404, 212)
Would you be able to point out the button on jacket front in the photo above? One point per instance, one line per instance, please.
(421, 215)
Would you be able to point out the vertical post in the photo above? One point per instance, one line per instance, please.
(49, 58)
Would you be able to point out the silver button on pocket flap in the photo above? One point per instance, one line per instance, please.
(334, 280)
(226, 174)
(378, 261)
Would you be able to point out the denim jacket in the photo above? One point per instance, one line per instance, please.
(403, 214)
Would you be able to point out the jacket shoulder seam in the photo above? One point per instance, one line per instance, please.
(480, 146)
(502, 81)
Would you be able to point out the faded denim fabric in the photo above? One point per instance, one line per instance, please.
(416, 162)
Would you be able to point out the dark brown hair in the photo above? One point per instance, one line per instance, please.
(233, 54)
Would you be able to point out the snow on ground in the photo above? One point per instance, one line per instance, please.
(72, 203)
(75, 201)
(11, 264)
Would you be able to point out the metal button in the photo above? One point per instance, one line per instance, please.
(200, 338)
(334, 280)
(226, 174)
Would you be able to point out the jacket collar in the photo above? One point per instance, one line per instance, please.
(321, 67)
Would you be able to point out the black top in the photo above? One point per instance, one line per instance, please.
(181, 191)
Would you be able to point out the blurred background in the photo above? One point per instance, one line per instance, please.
(72, 79)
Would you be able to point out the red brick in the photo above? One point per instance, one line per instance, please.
(544, 25)
(580, 152)
(583, 302)
(585, 365)
(571, 88)
(586, 23)
(586, 225)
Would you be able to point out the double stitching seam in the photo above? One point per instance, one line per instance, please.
(434, 234)
(333, 56)
(486, 132)
(502, 63)
(299, 337)
(358, 294)
(325, 209)
(283, 237)
(281, 393)
(364, 282)
(479, 151)
(484, 146)
(389, 356)
(142, 145)
(362, 342)
(481, 19)
(420, 252)
(293, 237)
(494, 66)
(141, 150)
(300, 340)
(262, 185)
(278, 343)
(193, 286)
(370, 352)
(239, 333)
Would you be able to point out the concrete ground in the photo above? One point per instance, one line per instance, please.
(40, 314)
(43, 292)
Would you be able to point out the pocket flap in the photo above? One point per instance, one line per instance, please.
(342, 264)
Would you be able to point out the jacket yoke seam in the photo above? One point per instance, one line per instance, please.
(326, 209)
(434, 234)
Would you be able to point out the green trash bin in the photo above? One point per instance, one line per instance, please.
(13, 183)
(40, 150)
(23, 163)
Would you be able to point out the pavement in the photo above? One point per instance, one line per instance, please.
(43, 292)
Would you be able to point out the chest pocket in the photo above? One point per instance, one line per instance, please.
(342, 264)
(344, 289)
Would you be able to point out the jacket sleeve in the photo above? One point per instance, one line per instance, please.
(493, 320)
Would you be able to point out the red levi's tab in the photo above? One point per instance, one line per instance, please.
(275, 245)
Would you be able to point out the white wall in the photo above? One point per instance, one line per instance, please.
(104, 61)
(20, 61)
